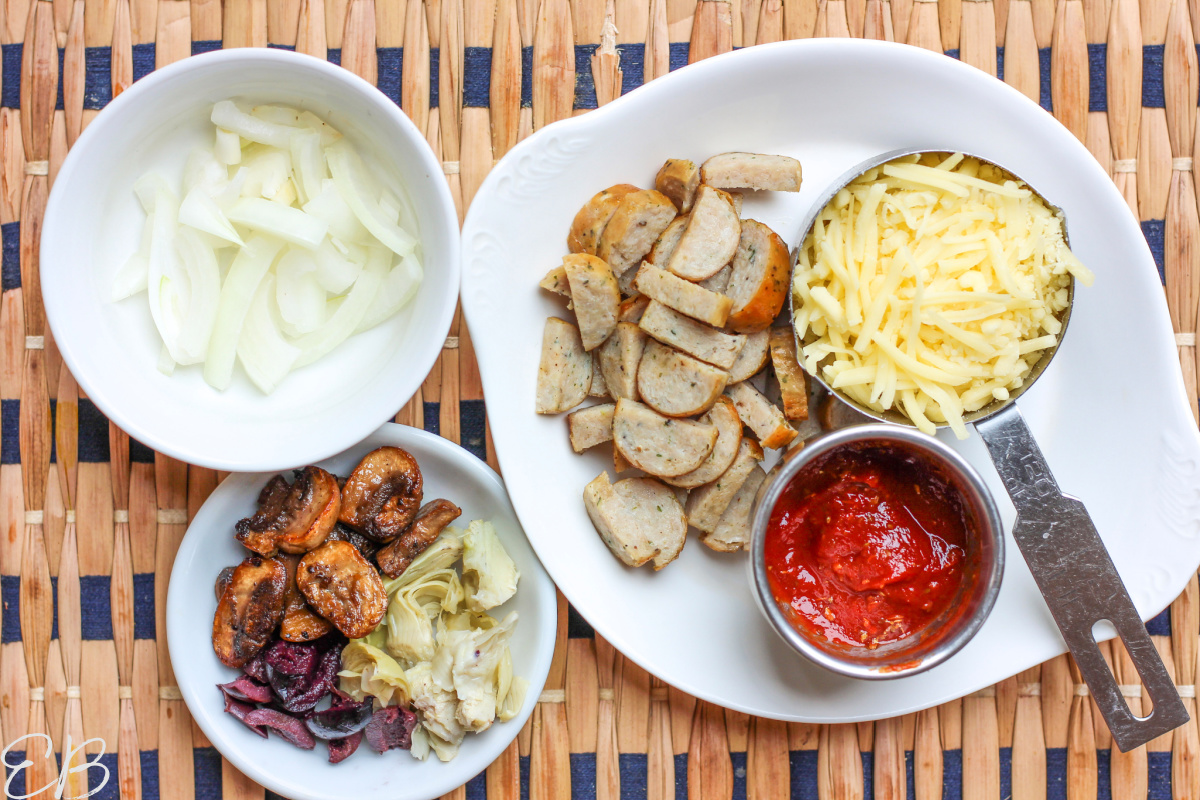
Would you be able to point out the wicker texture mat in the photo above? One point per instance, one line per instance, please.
(91, 520)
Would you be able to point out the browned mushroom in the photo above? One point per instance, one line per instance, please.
(344, 533)
(249, 610)
(431, 519)
(294, 518)
(223, 579)
(300, 623)
(383, 494)
(343, 587)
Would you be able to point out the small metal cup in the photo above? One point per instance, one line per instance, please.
(983, 569)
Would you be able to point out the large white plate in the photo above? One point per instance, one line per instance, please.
(1109, 413)
(448, 471)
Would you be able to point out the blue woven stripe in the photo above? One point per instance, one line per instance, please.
(477, 76)
(93, 433)
(143, 60)
(633, 65)
(910, 775)
(868, 769)
(334, 55)
(1160, 625)
(585, 84)
(143, 605)
(473, 427)
(291, 48)
(149, 764)
(476, 788)
(952, 775)
(583, 776)
(433, 420)
(1104, 774)
(10, 56)
(1047, 101)
(53, 431)
(1152, 68)
(139, 453)
(681, 767)
(205, 46)
(678, 54)
(389, 63)
(112, 786)
(10, 431)
(206, 763)
(1155, 232)
(10, 608)
(632, 767)
(953, 53)
(526, 77)
(434, 72)
(577, 626)
(523, 767)
(10, 259)
(1000, 63)
(1159, 772)
(12, 761)
(97, 77)
(738, 761)
(803, 768)
(1097, 77)
(95, 607)
(58, 100)
(54, 606)
(1056, 773)
(1006, 772)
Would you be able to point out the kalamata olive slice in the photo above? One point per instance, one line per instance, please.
(239, 711)
(435, 515)
(343, 587)
(247, 690)
(383, 493)
(391, 727)
(340, 720)
(249, 610)
(341, 749)
(285, 725)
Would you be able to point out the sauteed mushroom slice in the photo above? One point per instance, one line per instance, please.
(223, 579)
(293, 518)
(383, 494)
(300, 623)
(433, 517)
(249, 610)
(343, 587)
(344, 533)
(257, 532)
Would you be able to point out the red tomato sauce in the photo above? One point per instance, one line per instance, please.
(867, 546)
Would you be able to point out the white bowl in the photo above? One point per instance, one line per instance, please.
(93, 223)
(449, 472)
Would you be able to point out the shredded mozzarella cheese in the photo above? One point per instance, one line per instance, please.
(932, 284)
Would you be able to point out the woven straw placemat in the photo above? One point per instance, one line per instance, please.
(90, 520)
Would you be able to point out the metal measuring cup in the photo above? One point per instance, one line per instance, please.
(1053, 530)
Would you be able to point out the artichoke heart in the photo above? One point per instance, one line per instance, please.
(489, 574)
(411, 612)
(440, 555)
(368, 671)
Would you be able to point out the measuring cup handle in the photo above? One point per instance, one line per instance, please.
(1081, 586)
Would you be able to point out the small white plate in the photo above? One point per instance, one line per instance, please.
(449, 472)
(1109, 414)
(93, 223)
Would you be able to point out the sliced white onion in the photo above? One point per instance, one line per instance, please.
(298, 296)
(163, 266)
(262, 350)
(166, 364)
(267, 170)
(203, 169)
(395, 292)
(202, 213)
(329, 134)
(227, 115)
(204, 283)
(278, 115)
(231, 192)
(228, 147)
(348, 176)
(132, 276)
(329, 206)
(245, 274)
(336, 271)
(308, 163)
(349, 314)
(289, 224)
